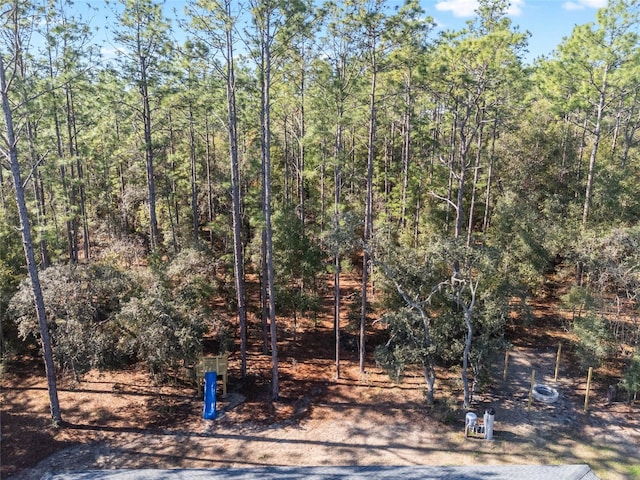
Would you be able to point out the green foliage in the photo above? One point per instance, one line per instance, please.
(425, 291)
(155, 332)
(515, 234)
(296, 256)
(164, 328)
(12, 270)
(407, 345)
(80, 301)
(578, 299)
(343, 238)
(354, 312)
(595, 340)
(294, 301)
(609, 261)
(100, 316)
(631, 380)
(615, 196)
(608, 266)
(458, 119)
(448, 335)
(191, 276)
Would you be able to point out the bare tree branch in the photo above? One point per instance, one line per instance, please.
(444, 199)
(34, 168)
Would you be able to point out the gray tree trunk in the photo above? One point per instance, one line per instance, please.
(337, 180)
(25, 229)
(266, 156)
(368, 215)
(460, 284)
(594, 148)
(148, 148)
(194, 184)
(238, 257)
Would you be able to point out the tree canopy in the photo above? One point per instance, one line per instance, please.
(314, 138)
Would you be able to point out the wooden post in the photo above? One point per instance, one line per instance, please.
(555, 377)
(506, 365)
(586, 395)
(533, 379)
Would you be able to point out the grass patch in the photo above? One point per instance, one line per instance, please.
(634, 471)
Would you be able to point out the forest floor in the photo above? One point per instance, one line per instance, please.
(122, 420)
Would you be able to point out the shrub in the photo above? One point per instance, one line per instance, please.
(407, 343)
(595, 340)
(159, 335)
(101, 316)
(79, 301)
(191, 277)
(12, 270)
(631, 380)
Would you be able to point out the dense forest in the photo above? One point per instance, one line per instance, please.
(282, 143)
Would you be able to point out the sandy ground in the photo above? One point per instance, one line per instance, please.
(359, 420)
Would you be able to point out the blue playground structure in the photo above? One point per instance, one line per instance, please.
(209, 411)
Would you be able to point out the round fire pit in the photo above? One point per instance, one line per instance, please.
(544, 393)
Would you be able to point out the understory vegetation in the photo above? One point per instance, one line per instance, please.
(282, 144)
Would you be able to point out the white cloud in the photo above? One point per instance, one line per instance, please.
(582, 4)
(571, 6)
(459, 8)
(467, 8)
(515, 9)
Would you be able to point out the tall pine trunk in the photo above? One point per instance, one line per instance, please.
(210, 155)
(337, 180)
(238, 257)
(148, 150)
(79, 171)
(25, 230)
(594, 149)
(368, 216)
(336, 264)
(487, 197)
(474, 186)
(266, 39)
(194, 185)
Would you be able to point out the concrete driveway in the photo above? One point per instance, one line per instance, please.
(495, 472)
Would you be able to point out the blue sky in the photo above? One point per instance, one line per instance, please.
(547, 20)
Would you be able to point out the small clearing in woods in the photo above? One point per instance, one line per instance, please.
(121, 420)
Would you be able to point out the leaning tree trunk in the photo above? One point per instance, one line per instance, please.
(25, 229)
(468, 321)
